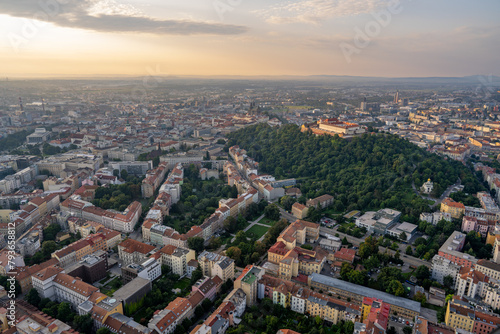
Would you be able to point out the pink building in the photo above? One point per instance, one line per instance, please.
(207, 287)
(477, 224)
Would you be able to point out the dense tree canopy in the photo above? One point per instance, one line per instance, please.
(367, 172)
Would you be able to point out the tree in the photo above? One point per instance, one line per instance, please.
(368, 248)
(390, 330)
(345, 271)
(33, 297)
(272, 212)
(234, 253)
(422, 272)
(116, 172)
(420, 297)
(348, 327)
(230, 224)
(196, 275)
(215, 243)
(396, 288)
(49, 247)
(196, 243)
(287, 202)
(103, 330)
(124, 174)
(409, 250)
(64, 312)
(407, 330)
(403, 236)
(50, 232)
(84, 323)
(448, 281)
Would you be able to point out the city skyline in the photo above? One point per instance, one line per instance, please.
(381, 38)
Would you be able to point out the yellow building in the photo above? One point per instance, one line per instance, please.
(458, 316)
(5, 215)
(455, 209)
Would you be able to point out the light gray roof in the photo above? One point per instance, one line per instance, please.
(367, 292)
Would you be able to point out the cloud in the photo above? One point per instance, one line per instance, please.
(109, 16)
(315, 11)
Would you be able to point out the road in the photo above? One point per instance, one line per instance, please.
(288, 216)
(443, 196)
(356, 242)
(446, 193)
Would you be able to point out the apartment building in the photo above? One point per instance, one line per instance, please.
(402, 306)
(133, 251)
(455, 209)
(442, 267)
(248, 282)
(213, 264)
(176, 258)
(302, 299)
(451, 250)
(74, 252)
(461, 315)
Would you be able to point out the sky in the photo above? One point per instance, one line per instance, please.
(384, 38)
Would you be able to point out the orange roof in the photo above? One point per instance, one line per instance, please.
(132, 246)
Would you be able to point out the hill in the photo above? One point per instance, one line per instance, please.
(365, 173)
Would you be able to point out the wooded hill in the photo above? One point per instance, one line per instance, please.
(365, 173)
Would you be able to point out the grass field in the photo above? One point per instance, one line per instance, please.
(258, 230)
(182, 284)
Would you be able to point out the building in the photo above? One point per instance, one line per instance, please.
(91, 268)
(39, 136)
(491, 269)
(166, 320)
(149, 269)
(407, 228)
(133, 167)
(76, 251)
(402, 306)
(293, 260)
(176, 258)
(442, 267)
(471, 283)
(451, 250)
(461, 315)
(133, 251)
(435, 217)
(299, 210)
(333, 126)
(320, 202)
(455, 209)
(134, 290)
(213, 264)
(379, 222)
(248, 282)
(304, 300)
(120, 221)
(427, 187)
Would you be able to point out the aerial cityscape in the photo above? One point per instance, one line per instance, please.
(227, 166)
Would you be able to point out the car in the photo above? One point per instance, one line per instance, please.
(119, 265)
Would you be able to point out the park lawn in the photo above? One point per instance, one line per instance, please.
(258, 230)
(267, 221)
(182, 284)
